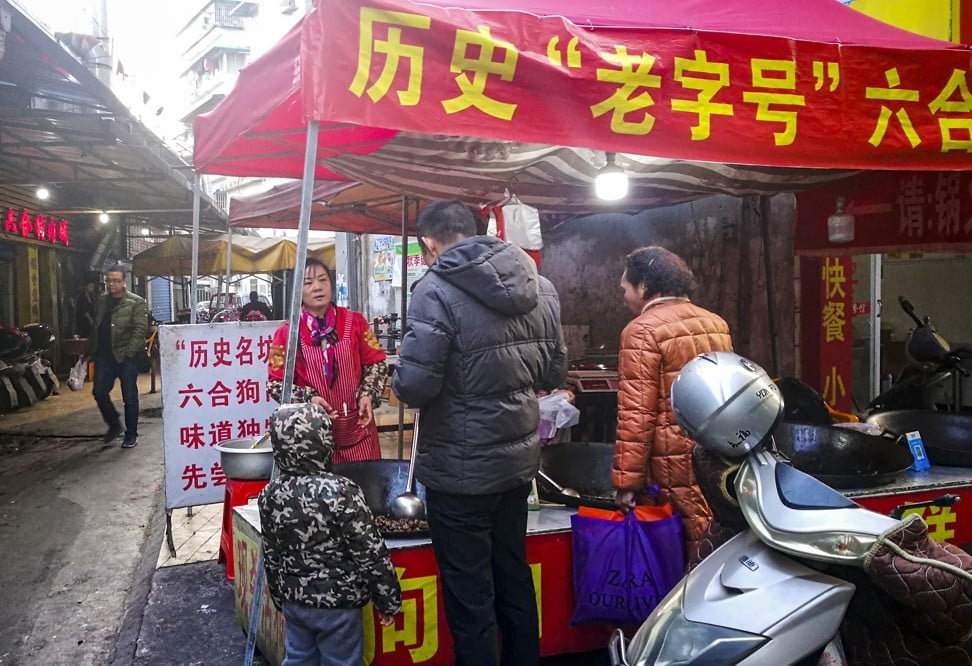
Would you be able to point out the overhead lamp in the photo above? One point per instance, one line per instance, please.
(840, 225)
(43, 193)
(611, 183)
(103, 218)
(145, 231)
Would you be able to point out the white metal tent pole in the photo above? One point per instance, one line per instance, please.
(303, 230)
(195, 249)
(229, 261)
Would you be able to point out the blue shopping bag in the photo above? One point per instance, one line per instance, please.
(624, 566)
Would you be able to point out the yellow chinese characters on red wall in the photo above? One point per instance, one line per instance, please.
(836, 340)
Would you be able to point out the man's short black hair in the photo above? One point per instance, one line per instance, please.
(447, 221)
(115, 268)
(659, 271)
(254, 296)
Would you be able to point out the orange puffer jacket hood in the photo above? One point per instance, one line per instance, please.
(650, 447)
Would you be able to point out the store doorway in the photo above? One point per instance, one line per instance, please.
(936, 284)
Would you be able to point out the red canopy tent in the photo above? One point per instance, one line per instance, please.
(337, 206)
(480, 96)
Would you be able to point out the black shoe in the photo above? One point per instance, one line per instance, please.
(129, 442)
(113, 431)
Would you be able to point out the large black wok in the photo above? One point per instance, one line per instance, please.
(381, 481)
(840, 457)
(947, 436)
(583, 466)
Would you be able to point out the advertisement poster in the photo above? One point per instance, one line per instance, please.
(383, 257)
(416, 267)
(214, 388)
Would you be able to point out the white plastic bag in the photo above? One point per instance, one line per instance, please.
(556, 412)
(78, 374)
(516, 223)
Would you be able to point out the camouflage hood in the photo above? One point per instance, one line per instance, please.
(301, 438)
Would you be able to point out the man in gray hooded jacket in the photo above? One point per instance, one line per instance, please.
(483, 333)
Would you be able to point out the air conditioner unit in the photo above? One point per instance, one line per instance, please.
(288, 6)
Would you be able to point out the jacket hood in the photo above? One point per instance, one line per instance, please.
(301, 438)
(499, 275)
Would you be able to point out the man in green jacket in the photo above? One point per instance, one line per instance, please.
(121, 321)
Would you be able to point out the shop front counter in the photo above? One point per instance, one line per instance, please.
(420, 634)
(952, 524)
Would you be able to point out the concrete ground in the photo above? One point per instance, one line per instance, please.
(80, 527)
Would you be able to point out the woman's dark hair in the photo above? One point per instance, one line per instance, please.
(659, 271)
(312, 261)
(447, 221)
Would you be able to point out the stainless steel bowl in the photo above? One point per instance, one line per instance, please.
(242, 462)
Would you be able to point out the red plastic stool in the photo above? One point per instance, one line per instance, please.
(238, 493)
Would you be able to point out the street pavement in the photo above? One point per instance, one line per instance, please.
(81, 528)
(81, 523)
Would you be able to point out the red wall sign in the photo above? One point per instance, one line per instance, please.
(36, 226)
(893, 211)
(827, 339)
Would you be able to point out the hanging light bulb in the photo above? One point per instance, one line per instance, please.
(103, 218)
(611, 183)
(840, 225)
(43, 193)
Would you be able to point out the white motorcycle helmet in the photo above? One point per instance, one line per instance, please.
(726, 403)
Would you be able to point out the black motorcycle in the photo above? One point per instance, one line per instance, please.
(931, 362)
(26, 377)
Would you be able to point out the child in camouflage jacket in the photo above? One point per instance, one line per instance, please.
(323, 555)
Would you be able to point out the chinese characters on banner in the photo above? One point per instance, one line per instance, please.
(415, 265)
(214, 388)
(664, 92)
(836, 334)
(892, 212)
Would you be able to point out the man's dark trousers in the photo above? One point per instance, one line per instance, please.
(106, 370)
(479, 543)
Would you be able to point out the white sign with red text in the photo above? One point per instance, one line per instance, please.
(214, 388)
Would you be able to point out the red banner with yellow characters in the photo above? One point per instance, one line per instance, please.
(710, 96)
(832, 315)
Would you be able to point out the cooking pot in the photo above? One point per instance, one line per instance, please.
(583, 466)
(947, 436)
(381, 481)
(840, 457)
(241, 462)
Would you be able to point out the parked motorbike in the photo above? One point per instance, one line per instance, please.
(763, 597)
(25, 376)
(931, 362)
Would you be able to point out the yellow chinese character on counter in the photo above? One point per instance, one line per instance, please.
(393, 50)
(707, 86)
(775, 75)
(474, 92)
(938, 520)
(420, 612)
(891, 94)
(957, 83)
(633, 73)
(833, 321)
(833, 387)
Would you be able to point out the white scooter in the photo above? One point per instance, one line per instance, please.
(757, 599)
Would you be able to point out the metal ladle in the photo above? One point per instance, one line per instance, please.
(408, 504)
(567, 492)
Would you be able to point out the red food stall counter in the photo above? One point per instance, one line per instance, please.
(420, 634)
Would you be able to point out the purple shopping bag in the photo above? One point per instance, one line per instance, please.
(623, 568)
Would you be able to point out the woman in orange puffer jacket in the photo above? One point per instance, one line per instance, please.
(667, 332)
